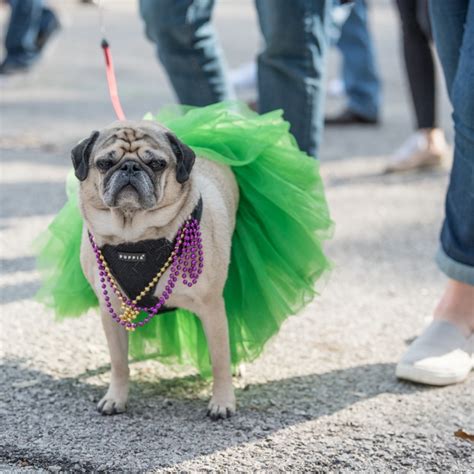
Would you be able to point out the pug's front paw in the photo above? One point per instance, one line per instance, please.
(221, 407)
(113, 403)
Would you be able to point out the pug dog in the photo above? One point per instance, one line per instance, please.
(138, 182)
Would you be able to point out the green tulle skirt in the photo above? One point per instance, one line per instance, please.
(277, 253)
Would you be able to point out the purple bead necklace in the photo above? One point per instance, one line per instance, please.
(186, 262)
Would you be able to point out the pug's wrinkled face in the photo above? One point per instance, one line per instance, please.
(130, 164)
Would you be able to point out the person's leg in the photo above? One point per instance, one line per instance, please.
(22, 33)
(188, 48)
(427, 146)
(419, 64)
(447, 21)
(359, 70)
(291, 66)
(49, 24)
(443, 353)
(456, 256)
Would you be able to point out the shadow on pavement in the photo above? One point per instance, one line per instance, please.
(18, 291)
(20, 264)
(379, 176)
(25, 199)
(37, 154)
(55, 419)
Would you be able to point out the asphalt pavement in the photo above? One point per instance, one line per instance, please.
(323, 397)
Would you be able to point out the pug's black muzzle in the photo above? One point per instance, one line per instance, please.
(129, 173)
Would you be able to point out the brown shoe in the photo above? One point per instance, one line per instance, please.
(349, 117)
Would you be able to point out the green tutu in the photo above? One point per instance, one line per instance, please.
(277, 253)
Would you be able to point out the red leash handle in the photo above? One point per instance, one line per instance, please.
(112, 83)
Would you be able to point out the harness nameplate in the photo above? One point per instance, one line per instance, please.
(131, 257)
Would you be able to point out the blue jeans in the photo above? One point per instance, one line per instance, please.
(453, 29)
(359, 69)
(290, 67)
(27, 19)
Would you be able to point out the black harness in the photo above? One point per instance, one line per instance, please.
(134, 265)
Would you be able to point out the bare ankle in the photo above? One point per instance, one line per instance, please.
(457, 306)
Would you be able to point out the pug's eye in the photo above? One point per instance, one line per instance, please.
(157, 165)
(104, 164)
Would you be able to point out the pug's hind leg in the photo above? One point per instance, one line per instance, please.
(115, 400)
(214, 320)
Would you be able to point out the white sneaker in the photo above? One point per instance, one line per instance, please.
(442, 355)
(336, 88)
(244, 77)
(426, 148)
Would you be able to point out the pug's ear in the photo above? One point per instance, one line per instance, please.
(81, 154)
(185, 158)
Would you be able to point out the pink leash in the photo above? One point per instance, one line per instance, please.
(111, 81)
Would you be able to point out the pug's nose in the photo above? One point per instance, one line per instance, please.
(130, 167)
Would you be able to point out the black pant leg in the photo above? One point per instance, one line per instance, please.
(419, 62)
